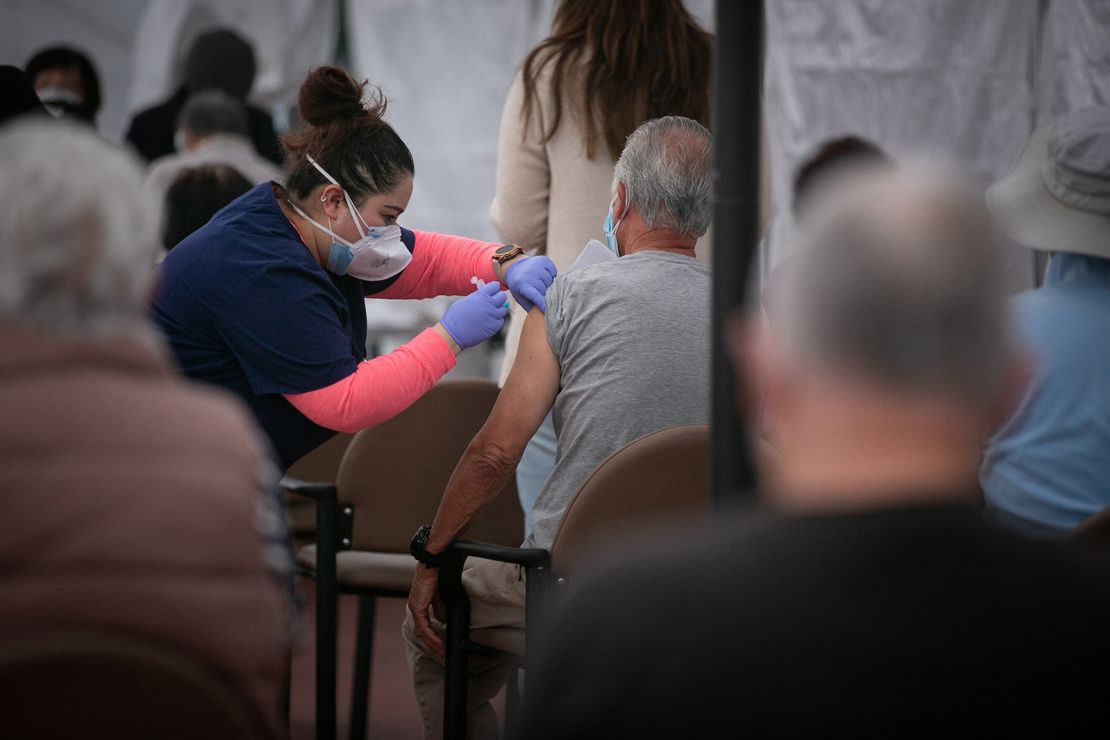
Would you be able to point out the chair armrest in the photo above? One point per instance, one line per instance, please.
(315, 491)
(529, 557)
(454, 557)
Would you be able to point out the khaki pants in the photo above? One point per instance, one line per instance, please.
(496, 592)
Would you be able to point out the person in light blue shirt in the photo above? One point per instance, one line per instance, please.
(1048, 467)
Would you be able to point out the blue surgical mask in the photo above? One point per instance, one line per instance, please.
(340, 257)
(611, 229)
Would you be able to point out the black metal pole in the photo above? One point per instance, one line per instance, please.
(737, 94)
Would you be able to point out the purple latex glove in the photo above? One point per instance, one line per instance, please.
(529, 279)
(477, 317)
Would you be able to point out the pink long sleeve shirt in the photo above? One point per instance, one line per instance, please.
(380, 388)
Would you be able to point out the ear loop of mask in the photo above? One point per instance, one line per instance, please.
(624, 213)
(360, 225)
(319, 225)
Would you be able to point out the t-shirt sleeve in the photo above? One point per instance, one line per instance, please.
(555, 316)
(284, 327)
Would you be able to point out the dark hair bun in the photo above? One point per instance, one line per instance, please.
(330, 96)
(342, 128)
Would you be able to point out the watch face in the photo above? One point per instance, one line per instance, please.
(506, 252)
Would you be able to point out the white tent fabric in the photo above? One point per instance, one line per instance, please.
(944, 79)
(963, 81)
(1075, 57)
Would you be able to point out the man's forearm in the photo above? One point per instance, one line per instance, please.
(479, 477)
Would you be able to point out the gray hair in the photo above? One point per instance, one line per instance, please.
(665, 168)
(213, 112)
(78, 233)
(897, 277)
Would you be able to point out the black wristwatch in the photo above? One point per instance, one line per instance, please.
(418, 547)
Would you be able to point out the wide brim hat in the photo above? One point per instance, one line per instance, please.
(1057, 198)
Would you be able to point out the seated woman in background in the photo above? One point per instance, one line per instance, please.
(194, 197)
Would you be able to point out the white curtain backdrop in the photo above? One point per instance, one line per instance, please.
(963, 81)
(1075, 57)
(940, 79)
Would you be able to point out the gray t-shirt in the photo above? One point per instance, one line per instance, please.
(632, 339)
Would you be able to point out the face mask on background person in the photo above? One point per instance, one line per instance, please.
(62, 102)
(610, 229)
(378, 254)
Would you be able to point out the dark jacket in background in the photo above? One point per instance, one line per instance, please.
(920, 621)
(151, 131)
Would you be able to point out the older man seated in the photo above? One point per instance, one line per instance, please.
(133, 500)
(622, 351)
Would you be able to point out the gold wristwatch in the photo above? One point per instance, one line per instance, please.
(501, 255)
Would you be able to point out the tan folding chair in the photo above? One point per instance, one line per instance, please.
(98, 684)
(662, 477)
(390, 481)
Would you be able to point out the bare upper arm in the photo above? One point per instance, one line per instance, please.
(530, 389)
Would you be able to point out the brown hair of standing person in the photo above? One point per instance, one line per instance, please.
(640, 59)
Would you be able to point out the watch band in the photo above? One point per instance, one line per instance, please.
(418, 547)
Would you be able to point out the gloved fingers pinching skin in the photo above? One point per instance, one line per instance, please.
(530, 278)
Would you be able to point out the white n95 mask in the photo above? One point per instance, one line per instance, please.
(378, 254)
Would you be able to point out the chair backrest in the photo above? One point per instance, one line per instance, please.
(1094, 530)
(319, 466)
(662, 477)
(322, 464)
(111, 685)
(394, 474)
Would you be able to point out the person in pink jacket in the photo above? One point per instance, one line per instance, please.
(135, 502)
(266, 300)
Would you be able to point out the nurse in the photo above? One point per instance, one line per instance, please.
(266, 300)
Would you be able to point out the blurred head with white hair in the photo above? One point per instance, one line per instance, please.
(78, 234)
(890, 358)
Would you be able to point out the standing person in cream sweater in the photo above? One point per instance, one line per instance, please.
(607, 67)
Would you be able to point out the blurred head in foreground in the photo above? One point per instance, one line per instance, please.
(890, 359)
(77, 233)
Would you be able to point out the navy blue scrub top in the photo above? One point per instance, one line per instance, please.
(245, 306)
